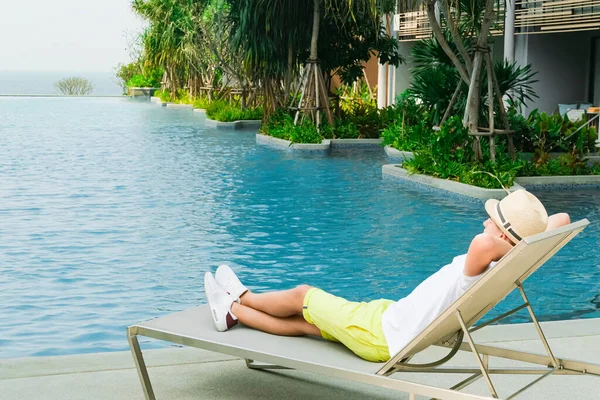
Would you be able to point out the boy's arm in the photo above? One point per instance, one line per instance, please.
(483, 250)
(557, 220)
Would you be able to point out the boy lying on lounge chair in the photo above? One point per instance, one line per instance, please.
(382, 327)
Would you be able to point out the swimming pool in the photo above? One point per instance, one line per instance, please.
(111, 211)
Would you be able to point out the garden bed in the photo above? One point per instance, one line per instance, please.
(356, 142)
(243, 124)
(398, 154)
(322, 147)
(178, 105)
(395, 171)
(559, 182)
(142, 91)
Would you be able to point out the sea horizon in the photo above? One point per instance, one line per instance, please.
(31, 82)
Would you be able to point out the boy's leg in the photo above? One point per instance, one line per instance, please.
(289, 326)
(285, 303)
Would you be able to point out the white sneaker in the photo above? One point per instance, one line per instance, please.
(220, 304)
(229, 281)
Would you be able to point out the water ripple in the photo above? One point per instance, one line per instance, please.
(112, 211)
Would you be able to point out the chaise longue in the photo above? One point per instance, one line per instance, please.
(452, 330)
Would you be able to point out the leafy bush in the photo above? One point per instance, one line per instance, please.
(124, 72)
(183, 96)
(412, 128)
(281, 125)
(359, 108)
(201, 102)
(541, 134)
(151, 78)
(448, 154)
(406, 138)
(163, 95)
(344, 129)
(435, 78)
(138, 80)
(358, 95)
(222, 111)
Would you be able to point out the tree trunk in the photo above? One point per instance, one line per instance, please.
(456, 37)
(439, 36)
(471, 117)
(288, 74)
(315, 31)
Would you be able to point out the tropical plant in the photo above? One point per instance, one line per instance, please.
(467, 22)
(150, 79)
(275, 54)
(74, 86)
(222, 111)
(448, 154)
(555, 132)
(281, 125)
(435, 79)
(125, 72)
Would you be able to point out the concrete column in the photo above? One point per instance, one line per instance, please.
(509, 30)
(382, 76)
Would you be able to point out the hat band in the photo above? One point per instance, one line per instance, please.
(505, 224)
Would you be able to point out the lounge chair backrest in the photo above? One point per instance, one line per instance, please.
(524, 259)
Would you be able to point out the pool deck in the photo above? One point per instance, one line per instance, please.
(186, 373)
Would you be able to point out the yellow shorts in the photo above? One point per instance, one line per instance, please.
(356, 325)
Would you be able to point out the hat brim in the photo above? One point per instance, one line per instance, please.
(491, 209)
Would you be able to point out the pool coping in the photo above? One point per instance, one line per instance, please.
(263, 139)
(241, 124)
(395, 171)
(323, 147)
(559, 181)
(394, 153)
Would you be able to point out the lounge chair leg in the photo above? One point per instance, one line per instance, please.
(140, 364)
(476, 354)
(553, 359)
(253, 365)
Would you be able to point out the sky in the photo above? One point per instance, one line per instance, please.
(65, 35)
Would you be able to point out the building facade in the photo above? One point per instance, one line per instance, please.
(559, 38)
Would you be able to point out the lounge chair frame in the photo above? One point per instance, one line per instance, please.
(551, 365)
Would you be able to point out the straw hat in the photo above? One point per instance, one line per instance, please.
(518, 215)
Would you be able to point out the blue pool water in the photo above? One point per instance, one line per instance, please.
(112, 210)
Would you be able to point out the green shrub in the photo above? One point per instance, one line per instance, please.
(359, 108)
(281, 125)
(343, 129)
(138, 80)
(201, 102)
(448, 154)
(407, 138)
(570, 163)
(151, 78)
(356, 95)
(541, 134)
(222, 111)
(163, 95)
(182, 96)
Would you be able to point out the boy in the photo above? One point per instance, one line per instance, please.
(380, 328)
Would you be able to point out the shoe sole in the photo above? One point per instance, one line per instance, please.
(213, 311)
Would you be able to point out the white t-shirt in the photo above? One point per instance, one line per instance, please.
(408, 317)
